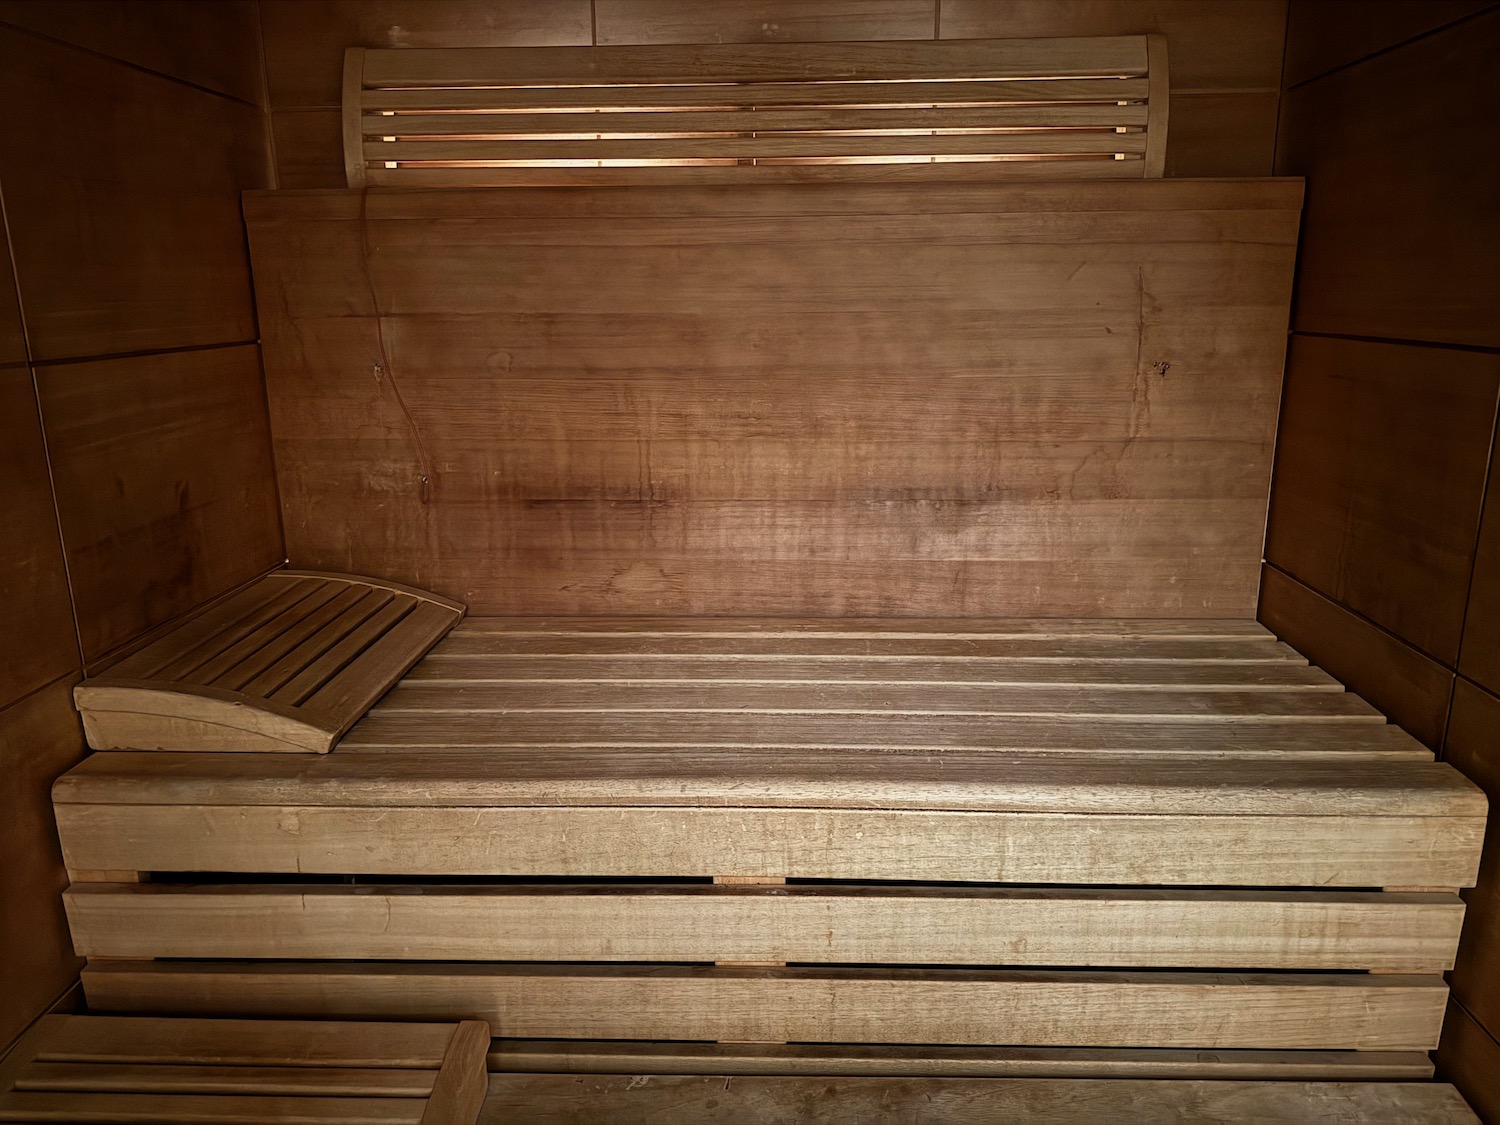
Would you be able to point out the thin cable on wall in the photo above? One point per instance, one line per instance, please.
(385, 373)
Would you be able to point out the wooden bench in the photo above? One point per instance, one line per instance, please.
(785, 112)
(1096, 840)
(289, 662)
(124, 1069)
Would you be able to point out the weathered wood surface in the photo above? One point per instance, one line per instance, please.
(127, 1069)
(289, 662)
(1265, 849)
(646, 1100)
(550, 1056)
(562, 401)
(956, 1006)
(843, 925)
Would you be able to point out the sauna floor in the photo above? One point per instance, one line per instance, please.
(839, 700)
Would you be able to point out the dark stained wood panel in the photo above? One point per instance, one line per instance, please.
(784, 401)
(1402, 237)
(1235, 45)
(1380, 470)
(305, 39)
(1480, 658)
(1321, 36)
(1473, 746)
(1228, 134)
(40, 738)
(12, 334)
(122, 193)
(164, 484)
(213, 45)
(309, 147)
(761, 21)
(1408, 686)
(1469, 1056)
(40, 644)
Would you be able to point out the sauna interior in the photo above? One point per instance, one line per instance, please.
(972, 596)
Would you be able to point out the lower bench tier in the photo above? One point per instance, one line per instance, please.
(1312, 1011)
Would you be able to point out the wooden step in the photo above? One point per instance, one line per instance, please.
(139, 1069)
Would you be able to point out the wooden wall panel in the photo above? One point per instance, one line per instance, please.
(1218, 46)
(1473, 746)
(12, 333)
(305, 39)
(784, 401)
(1380, 469)
(149, 254)
(40, 738)
(757, 21)
(1402, 237)
(1480, 658)
(1469, 1057)
(164, 484)
(185, 39)
(1321, 36)
(1410, 687)
(37, 642)
(1230, 134)
(309, 146)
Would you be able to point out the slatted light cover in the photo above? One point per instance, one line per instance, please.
(980, 109)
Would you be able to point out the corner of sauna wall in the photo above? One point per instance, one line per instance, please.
(136, 476)
(1382, 556)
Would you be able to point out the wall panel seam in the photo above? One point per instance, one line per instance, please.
(127, 64)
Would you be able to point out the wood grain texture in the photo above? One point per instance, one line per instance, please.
(39, 739)
(287, 663)
(1221, 46)
(309, 148)
(1024, 783)
(195, 514)
(1404, 683)
(1480, 656)
(1321, 36)
(1473, 746)
(116, 1069)
(1221, 134)
(761, 21)
(1469, 1056)
(550, 1056)
(459, 1091)
(1380, 473)
(556, 1099)
(312, 1043)
(12, 332)
(305, 39)
(39, 642)
(154, 1109)
(1103, 848)
(606, 349)
(211, 45)
(1427, 272)
(113, 270)
(1204, 1010)
(1148, 929)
